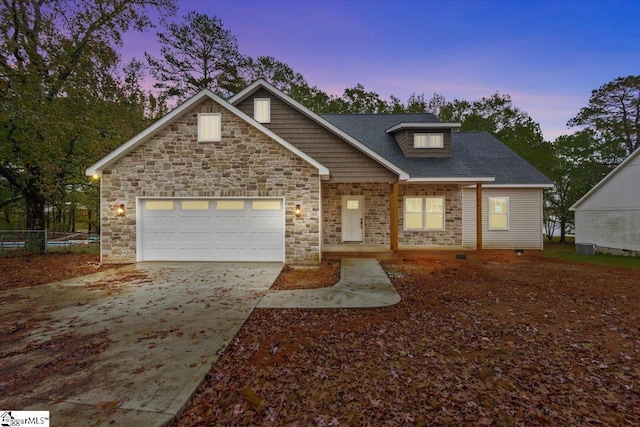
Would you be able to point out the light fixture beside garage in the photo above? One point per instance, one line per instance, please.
(120, 211)
(297, 211)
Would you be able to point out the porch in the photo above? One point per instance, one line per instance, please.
(385, 253)
(368, 219)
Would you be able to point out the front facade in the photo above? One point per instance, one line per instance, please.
(261, 178)
(608, 216)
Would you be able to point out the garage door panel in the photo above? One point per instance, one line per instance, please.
(212, 230)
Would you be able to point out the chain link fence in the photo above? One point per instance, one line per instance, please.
(33, 241)
(28, 240)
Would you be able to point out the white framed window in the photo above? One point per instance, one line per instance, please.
(266, 205)
(194, 205)
(230, 205)
(209, 127)
(498, 213)
(413, 213)
(353, 204)
(428, 140)
(262, 110)
(158, 205)
(424, 213)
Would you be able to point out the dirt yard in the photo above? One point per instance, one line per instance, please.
(32, 270)
(495, 339)
(492, 340)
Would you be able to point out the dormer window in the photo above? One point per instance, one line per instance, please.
(262, 110)
(428, 140)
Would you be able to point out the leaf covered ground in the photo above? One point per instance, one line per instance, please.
(492, 340)
(33, 270)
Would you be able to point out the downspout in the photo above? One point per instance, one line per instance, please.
(479, 216)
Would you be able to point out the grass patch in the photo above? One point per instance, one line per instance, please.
(89, 249)
(567, 252)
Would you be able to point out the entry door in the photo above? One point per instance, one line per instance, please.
(352, 218)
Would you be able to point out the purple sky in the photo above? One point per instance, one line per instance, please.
(548, 55)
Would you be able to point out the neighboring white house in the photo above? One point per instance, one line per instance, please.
(609, 214)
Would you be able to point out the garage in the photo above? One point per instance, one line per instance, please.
(226, 229)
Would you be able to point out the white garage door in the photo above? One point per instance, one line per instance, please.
(211, 230)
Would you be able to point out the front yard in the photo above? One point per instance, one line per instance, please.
(492, 340)
(496, 339)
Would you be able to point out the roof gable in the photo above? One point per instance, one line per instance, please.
(262, 84)
(618, 173)
(165, 121)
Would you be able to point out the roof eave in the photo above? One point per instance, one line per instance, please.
(520, 185)
(604, 180)
(115, 155)
(411, 125)
(118, 153)
(452, 179)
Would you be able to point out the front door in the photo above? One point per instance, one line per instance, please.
(352, 218)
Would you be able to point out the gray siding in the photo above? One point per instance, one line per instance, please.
(345, 162)
(618, 229)
(618, 192)
(610, 217)
(525, 219)
(404, 139)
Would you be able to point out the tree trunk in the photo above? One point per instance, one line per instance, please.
(72, 218)
(563, 226)
(35, 242)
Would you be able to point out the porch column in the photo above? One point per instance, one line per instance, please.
(478, 216)
(393, 220)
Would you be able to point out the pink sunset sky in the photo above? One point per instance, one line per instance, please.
(548, 55)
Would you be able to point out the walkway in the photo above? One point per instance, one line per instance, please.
(363, 284)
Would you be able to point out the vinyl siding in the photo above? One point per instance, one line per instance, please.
(610, 217)
(345, 162)
(620, 191)
(609, 229)
(525, 219)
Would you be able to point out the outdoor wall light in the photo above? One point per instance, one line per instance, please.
(297, 211)
(120, 211)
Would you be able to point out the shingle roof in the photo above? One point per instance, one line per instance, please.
(474, 154)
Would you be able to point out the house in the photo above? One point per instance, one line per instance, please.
(608, 216)
(260, 177)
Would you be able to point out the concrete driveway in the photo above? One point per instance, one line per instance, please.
(126, 346)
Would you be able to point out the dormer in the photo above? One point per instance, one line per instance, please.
(424, 139)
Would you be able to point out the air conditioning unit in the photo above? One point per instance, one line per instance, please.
(585, 248)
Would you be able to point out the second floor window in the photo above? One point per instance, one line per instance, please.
(428, 140)
(262, 110)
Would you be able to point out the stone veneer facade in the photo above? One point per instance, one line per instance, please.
(377, 206)
(452, 233)
(245, 163)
